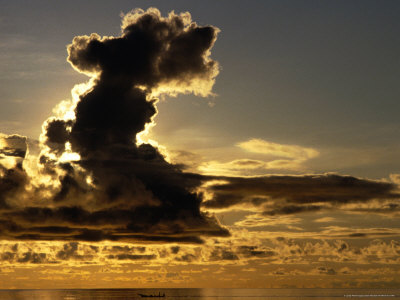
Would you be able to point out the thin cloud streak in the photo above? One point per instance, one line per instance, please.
(295, 194)
(269, 148)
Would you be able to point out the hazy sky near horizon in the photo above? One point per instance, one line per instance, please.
(307, 92)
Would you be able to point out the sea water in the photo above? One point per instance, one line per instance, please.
(206, 294)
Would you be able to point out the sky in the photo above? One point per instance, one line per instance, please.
(199, 144)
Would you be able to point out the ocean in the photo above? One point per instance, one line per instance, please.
(206, 294)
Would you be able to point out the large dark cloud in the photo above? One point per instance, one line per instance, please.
(117, 189)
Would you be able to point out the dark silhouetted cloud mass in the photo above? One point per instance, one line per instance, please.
(115, 188)
(296, 194)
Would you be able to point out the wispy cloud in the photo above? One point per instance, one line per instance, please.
(287, 194)
(281, 150)
(277, 157)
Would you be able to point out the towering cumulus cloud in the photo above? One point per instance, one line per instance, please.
(101, 183)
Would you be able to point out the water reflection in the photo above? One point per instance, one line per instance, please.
(199, 294)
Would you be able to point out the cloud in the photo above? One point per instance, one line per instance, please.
(12, 145)
(233, 168)
(94, 180)
(70, 251)
(287, 194)
(248, 167)
(246, 164)
(12, 182)
(245, 248)
(324, 220)
(13, 149)
(132, 257)
(278, 157)
(170, 54)
(387, 208)
(292, 209)
(260, 220)
(284, 164)
(223, 254)
(281, 150)
(395, 178)
(325, 271)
